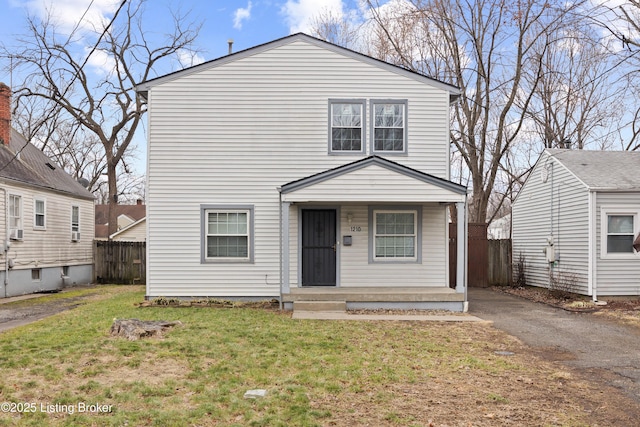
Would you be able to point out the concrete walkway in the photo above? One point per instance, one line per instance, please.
(341, 315)
(606, 349)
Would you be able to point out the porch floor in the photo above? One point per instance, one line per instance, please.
(373, 294)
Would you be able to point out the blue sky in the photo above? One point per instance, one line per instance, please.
(247, 22)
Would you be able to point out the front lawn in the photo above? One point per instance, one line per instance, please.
(316, 373)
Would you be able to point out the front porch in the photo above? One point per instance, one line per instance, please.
(372, 234)
(357, 298)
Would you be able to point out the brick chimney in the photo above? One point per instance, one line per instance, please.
(5, 113)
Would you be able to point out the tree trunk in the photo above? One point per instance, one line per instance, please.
(113, 197)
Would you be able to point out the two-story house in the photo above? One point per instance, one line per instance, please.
(302, 171)
(46, 220)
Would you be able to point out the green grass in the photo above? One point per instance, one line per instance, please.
(316, 372)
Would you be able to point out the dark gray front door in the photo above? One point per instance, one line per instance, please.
(318, 247)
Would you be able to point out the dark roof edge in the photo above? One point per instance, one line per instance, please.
(51, 189)
(367, 161)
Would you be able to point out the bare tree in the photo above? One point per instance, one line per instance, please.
(621, 21)
(577, 98)
(107, 108)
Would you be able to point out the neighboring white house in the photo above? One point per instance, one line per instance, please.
(126, 214)
(500, 228)
(46, 219)
(575, 219)
(134, 232)
(300, 170)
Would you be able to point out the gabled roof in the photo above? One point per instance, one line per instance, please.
(32, 167)
(135, 212)
(602, 170)
(128, 227)
(144, 87)
(368, 161)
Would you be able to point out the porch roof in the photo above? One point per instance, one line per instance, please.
(373, 179)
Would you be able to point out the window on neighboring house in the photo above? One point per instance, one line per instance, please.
(35, 274)
(39, 218)
(395, 235)
(75, 223)
(15, 215)
(389, 132)
(346, 123)
(620, 233)
(227, 234)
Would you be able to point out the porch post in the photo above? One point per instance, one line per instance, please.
(461, 263)
(284, 225)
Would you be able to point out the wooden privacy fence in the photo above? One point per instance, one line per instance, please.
(499, 262)
(489, 260)
(478, 255)
(120, 262)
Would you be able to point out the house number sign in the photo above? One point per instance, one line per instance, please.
(355, 228)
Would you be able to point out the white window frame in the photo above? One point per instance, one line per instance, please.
(15, 221)
(606, 212)
(206, 210)
(36, 275)
(417, 234)
(75, 226)
(403, 104)
(363, 114)
(37, 214)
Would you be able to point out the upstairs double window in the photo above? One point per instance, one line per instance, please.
(347, 126)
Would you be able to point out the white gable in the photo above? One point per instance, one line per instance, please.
(373, 183)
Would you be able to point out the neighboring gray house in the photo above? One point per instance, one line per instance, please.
(302, 171)
(46, 217)
(575, 219)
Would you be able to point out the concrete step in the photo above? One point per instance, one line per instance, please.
(333, 306)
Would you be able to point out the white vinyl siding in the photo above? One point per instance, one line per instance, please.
(52, 248)
(616, 273)
(270, 129)
(133, 233)
(373, 184)
(558, 209)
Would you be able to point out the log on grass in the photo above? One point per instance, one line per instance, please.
(134, 329)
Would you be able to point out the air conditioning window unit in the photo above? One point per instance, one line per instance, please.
(15, 234)
(75, 236)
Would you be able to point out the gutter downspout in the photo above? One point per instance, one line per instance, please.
(592, 253)
(5, 242)
(281, 238)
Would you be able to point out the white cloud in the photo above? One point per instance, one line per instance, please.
(67, 13)
(189, 58)
(242, 14)
(102, 63)
(300, 14)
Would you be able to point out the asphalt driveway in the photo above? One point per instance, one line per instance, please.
(604, 349)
